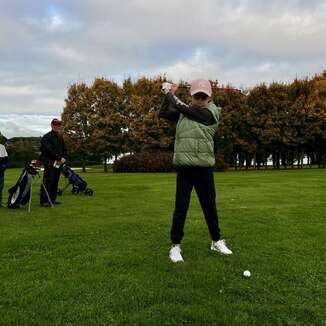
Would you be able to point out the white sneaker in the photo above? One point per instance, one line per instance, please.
(221, 247)
(175, 254)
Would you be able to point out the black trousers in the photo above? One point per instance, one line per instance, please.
(50, 181)
(202, 179)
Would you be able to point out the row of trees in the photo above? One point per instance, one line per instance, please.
(283, 122)
(21, 149)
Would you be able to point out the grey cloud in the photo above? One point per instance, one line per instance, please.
(46, 46)
(14, 125)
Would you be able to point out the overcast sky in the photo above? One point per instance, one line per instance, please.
(45, 46)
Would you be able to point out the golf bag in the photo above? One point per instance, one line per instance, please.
(78, 184)
(20, 193)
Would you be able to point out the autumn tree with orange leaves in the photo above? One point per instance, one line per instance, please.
(279, 122)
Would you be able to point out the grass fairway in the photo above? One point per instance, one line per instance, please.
(103, 260)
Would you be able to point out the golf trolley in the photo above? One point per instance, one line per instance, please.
(21, 192)
(79, 185)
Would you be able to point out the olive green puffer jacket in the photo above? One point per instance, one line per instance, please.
(194, 141)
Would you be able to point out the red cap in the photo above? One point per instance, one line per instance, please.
(56, 122)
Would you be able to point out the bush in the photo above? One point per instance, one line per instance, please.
(20, 159)
(145, 162)
(156, 162)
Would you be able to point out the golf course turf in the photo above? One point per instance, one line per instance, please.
(103, 260)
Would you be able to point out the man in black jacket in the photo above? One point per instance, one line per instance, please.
(52, 156)
(3, 166)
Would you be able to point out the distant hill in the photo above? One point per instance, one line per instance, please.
(34, 141)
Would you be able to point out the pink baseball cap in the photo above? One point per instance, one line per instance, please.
(201, 86)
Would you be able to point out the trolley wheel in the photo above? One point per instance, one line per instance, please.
(75, 190)
(89, 192)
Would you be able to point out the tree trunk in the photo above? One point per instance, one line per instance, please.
(284, 159)
(235, 159)
(277, 159)
(248, 161)
(309, 161)
(105, 166)
(266, 161)
(83, 164)
(241, 160)
(274, 160)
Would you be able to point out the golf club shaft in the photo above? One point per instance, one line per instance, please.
(47, 194)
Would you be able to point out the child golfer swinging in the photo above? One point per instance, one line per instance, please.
(194, 158)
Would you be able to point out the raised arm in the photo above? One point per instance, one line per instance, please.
(201, 115)
(167, 111)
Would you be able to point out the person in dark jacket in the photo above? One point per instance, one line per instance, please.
(194, 157)
(3, 166)
(52, 156)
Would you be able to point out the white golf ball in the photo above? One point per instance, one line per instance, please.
(246, 274)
